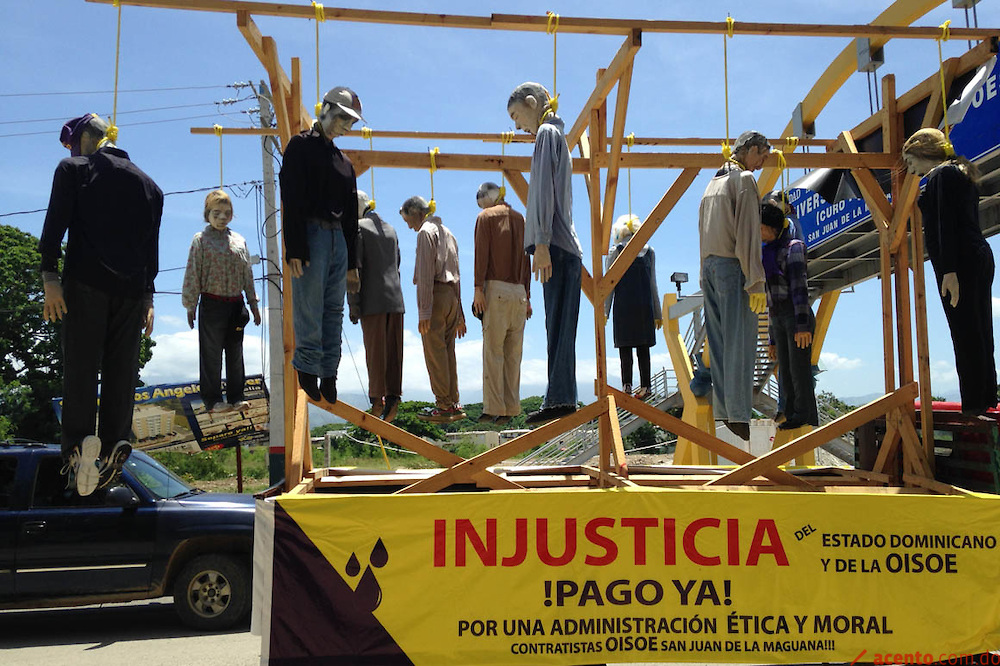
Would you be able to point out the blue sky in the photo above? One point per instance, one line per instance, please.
(434, 79)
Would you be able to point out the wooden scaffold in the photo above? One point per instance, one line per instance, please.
(599, 140)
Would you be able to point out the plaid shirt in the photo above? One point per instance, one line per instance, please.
(785, 272)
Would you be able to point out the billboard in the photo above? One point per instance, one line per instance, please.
(173, 417)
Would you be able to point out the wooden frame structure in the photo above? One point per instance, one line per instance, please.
(601, 155)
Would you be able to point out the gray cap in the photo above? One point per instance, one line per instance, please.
(749, 139)
(345, 100)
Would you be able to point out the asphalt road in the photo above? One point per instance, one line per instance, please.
(144, 633)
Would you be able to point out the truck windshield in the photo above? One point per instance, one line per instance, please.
(158, 480)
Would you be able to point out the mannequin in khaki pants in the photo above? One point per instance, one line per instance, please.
(503, 283)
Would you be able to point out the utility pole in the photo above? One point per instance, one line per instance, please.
(272, 276)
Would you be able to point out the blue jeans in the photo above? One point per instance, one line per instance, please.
(732, 337)
(562, 310)
(318, 303)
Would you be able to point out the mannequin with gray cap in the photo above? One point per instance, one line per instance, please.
(732, 278)
(379, 308)
(111, 211)
(503, 288)
(550, 236)
(320, 229)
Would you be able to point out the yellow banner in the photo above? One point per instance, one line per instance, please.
(642, 575)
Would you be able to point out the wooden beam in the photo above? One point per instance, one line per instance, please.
(673, 424)
(389, 432)
(280, 95)
(239, 131)
(645, 232)
(888, 342)
(518, 184)
(903, 207)
(824, 315)
(923, 343)
(617, 446)
(293, 442)
(770, 461)
(607, 81)
(617, 139)
(467, 468)
(872, 192)
(567, 24)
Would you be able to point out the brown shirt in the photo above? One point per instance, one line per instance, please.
(437, 261)
(500, 251)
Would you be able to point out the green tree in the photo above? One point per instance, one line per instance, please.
(31, 361)
(31, 364)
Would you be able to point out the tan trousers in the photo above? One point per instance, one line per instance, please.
(503, 335)
(383, 333)
(439, 345)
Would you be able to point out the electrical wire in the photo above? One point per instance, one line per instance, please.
(134, 90)
(225, 102)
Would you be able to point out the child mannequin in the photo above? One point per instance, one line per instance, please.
(960, 257)
(217, 275)
(636, 305)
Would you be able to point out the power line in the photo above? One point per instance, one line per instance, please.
(167, 194)
(134, 90)
(145, 122)
(224, 102)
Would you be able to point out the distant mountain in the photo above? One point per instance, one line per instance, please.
(319, 416)
(858, 400)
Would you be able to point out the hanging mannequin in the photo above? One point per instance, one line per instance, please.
(111, 210)
(636, 302)
(502, 299)
(732, 278)
(218, 274)
(550, 236)
(379, 308)
(320, 223)
(961, 258)
(439, 306)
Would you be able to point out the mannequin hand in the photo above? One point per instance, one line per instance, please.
(658, 323)
(424, 327)
(772, 353)
(148, 320)
(529, 311)
(353, 314)
(256, 316)
(55, 304)
(191, 316)
(353, 281)
(478, 302)
(949, 284)
(803, 339)
(758, 303)
(460, 331)
(542, 264)
(296, 266)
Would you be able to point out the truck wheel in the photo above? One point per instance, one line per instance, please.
(212, 592)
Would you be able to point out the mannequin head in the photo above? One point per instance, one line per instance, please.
(624, 228)
(927, 148)
(527, 105)
(488, 195)
(750, 149)
(218, 210)
(772, 221)
(414, 211)
(81, 135)
(340, 110)
(364, 203)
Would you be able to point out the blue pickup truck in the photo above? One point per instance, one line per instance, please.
(150, 536)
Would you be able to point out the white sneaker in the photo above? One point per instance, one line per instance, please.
(221, 408)
(111, 469)
(240, 405)
(88, 474)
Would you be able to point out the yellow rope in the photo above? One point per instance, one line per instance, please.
(791, 143)
(730, 23)
(505, 138)
(433, 153)
(366, 132)
(551, 28)
(384, 454)
(218, 133)
(320, 17)
(629, 142)
(112, 133)
(945, 35)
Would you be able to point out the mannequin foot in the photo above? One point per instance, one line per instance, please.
(546, 414)
(377, 407)
(309, 384)
(503, 419)
(643, 392)
(740, 429)
(486, 418)
(220, 408)
(328, 389)
(627, 388)
(391, 406)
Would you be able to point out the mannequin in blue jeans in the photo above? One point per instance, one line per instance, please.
(550, 237)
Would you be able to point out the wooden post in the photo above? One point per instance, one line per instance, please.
(597, 143)
(923, 346)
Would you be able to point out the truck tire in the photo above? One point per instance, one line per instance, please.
(212, 592)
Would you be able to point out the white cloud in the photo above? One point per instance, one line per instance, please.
(944, 377)
(175, 358)
(996, 307)
(832, 361)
